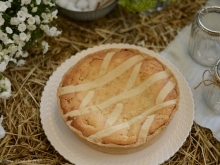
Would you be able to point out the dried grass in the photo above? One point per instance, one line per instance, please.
(25, 141)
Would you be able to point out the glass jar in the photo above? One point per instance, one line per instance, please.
(211, 92)
(204, 43)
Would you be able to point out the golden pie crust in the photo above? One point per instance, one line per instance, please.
(118, 100)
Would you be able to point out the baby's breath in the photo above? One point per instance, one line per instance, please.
(22, 22)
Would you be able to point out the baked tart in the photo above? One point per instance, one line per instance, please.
(118, 100)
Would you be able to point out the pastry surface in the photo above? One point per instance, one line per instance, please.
(116, 100)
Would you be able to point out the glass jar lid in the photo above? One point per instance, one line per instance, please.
(208, 20)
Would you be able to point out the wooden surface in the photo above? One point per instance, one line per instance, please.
(25, 141)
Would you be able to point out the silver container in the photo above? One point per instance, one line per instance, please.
(204, 43)
(211, 92)
(87, 15)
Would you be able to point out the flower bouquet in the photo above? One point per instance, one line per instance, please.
(22, 22)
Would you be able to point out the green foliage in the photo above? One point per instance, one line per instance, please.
(140, 5)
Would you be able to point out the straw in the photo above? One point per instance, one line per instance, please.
(25, 141)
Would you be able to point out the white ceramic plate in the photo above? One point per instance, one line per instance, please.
(67, 144)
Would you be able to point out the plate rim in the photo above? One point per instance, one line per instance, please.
(85, 52)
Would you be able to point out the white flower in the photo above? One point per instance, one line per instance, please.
(21, 27)
(2, 131)
(46, 2)
(31, 20)
(5, 83)
(38, 2)
(2, 21)
(42, 27)
(44, 15)
(3, 36)
(25, 10)
(25, 2)
(37, 19)
(23, 36)
(24, 54)
(20, 62)
(34, 9)
(5, 87)
(14, 21)
(5, 95)
(8, 4)
(53, 31)
(18, 54)
(4, 62)
(13, 60)
(9, 30)
(3, 6)
(58, 33)
(13, 49)
(45, 46)
(9, 41)
(16, 38)
(54, 14)
(46, 29)
(21, 15)
(31, 27)
(28, 37)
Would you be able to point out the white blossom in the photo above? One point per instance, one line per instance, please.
(28, 37)
(13, 60)
(31, 27)
(17, 31)
(5, 86)
(31, 20)
(44, 15)
(45, 46)
(20, 62)
(23, 36)
(8, 41)
(25, 2)
(5, 83)
(54, 14)
(9, 30)
(3, 62)
(42, 27)
(24, 54)
(3, 6)
(25, 10)
(53, 31)
(22, 27)
(21, 15)
(37, 19)
(2, 21)
(8, 4)
(2, 131)
(46, 2)
(3, 36)
(14, 21)
(16, 38)
(34, 9)
(38, 2)
(13, 49)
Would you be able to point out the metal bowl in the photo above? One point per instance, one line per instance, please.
(87, 15)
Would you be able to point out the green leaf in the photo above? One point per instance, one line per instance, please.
(139, 5)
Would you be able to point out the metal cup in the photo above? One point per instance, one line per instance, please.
(204, 43)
